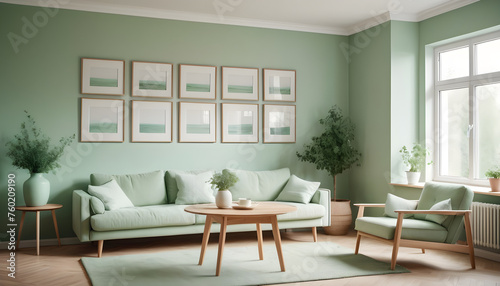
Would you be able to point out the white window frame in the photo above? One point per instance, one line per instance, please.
(471, 82)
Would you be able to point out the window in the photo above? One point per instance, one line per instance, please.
(467, 109)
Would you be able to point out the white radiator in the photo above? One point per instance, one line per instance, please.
(486, 225)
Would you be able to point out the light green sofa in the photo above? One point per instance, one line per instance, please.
(156, 214)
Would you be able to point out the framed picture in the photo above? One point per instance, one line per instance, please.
(240, 83)
(279, 123)
(101, 120)
(240, 123)
(151, 79)
(102, 76)
(279, 85)
(197, 81)
(151, 121)
(197, 122)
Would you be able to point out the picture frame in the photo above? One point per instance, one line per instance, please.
(279, 85)
(99, 76)
(101, 120)
(196, 81)
(151, 121)
(197, 122)
(279, 123)
(240, 123)
(240, 83)
(152, 79)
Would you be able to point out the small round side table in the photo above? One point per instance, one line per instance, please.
(48, 207)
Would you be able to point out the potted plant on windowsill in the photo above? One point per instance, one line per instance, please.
(415, 160)
(493, 176)
(335, 152)
(223, 181)
(31, 150)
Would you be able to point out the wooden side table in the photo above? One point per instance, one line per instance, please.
(48, 207)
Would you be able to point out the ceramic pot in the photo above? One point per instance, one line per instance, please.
(36, 190)
(224, 199)
(412, 177)
(341, 218)
(495, 184)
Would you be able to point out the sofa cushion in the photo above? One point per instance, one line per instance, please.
(259, 185)
(393, 203)
(142, 217)
(194, 189)
(111, 195)
(142, 189)
(298, 190)
(171, 183)
(412, 228)
(304, 211)
(444, 205)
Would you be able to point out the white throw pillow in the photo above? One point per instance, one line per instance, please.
(395, 203)
(194, 189)
(111, 195)
(442, 206)
(298, 190)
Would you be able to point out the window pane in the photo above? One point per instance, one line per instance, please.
(488, 57)
(453, 125)
(454, 64)
(488, 127)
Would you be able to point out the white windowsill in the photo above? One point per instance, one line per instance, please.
(476, 189)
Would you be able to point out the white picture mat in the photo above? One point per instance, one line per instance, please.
(88, 64)
(141, 112)
(228, 110)
(227, 72)
(115, 108)
(184, 110)
(269, 75)
(151, 71)
(191, 72)
(288, 116)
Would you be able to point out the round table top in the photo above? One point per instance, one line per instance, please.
(261, 208)
(47, 207)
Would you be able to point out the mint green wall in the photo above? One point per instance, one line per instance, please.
(44, 78)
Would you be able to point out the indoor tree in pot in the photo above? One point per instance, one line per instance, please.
(223, 181)
(334, 151)
(415, 160)
(31, 150)
(493, 176)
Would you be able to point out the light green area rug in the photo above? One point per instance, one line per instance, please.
(305, 261)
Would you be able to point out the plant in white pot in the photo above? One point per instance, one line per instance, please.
(493, 176)
(335, 152)
(416, 160)
(31, 150)
(223, 181)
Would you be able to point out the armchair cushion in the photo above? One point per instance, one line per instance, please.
(393, 203)
(442, 205)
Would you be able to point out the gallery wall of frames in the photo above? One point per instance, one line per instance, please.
(102, 116)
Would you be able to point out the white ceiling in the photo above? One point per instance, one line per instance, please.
(341, 17)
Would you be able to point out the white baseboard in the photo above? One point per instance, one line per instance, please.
(43, 242)
(487, 254)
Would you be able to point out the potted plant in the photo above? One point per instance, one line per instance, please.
(223, 181)
(415, 160)
(31, 150)
(493, 175)
(334, 151)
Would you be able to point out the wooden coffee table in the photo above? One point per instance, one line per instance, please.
(264, 212)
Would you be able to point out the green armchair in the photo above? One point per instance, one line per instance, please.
(427, 226)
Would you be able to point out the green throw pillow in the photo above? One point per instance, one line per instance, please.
(442, 205)
(97, 205)
(298, 190)
(393, 203)
(111, 195)
(194, 189)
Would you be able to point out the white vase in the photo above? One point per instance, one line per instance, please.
(412, 177)
(224, 199)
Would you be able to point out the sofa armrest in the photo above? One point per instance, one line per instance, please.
(322, 197)
(81, 215)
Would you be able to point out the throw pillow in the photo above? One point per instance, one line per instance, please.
(194, 189)
(442, 205)
(393, 203)
(111, 195)
(96, 205)
(298, 190)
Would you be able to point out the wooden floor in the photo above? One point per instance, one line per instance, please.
(61, 265)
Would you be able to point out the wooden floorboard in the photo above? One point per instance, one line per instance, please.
(61, 265)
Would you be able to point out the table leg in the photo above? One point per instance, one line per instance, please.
(206, 236)
(55, 227)
(222, 240)
(20, 229)
(259, 240)
(37, 233)
(277, 241)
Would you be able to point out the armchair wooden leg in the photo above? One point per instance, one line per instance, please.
(468, 233)
(358, 240)
(423, 250)
(315, 234)
(397, 240)
(100, 244)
